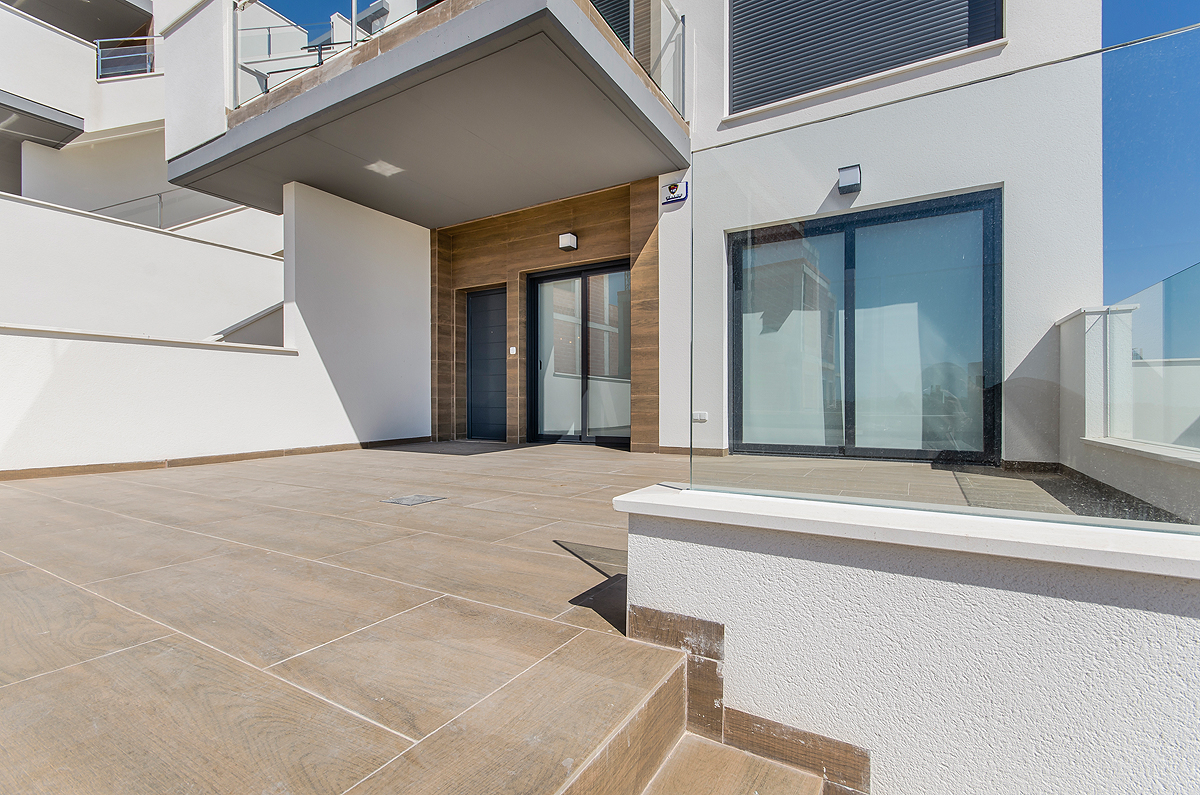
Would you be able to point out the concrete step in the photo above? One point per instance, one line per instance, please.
(596, 717)
(697, 765)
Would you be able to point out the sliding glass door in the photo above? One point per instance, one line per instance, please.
(874, 334)
(580, 324)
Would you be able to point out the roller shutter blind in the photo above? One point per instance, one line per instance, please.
(616, 14)
(784, 48)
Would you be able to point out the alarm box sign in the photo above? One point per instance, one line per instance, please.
(675, 192)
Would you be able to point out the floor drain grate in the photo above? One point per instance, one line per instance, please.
(413, 499)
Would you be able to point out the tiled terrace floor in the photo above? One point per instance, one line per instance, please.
(272, 626)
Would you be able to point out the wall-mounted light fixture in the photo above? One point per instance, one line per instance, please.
(568, 242)
(850, 179)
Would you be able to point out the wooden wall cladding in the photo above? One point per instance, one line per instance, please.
(502, 251)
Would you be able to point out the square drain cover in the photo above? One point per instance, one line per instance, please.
(413, 499)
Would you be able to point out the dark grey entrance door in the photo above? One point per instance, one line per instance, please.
(487, 394)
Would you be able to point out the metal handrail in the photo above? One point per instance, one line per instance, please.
(129, 58)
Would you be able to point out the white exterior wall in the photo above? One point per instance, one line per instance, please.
(675, 319)
(958, 672)
(357, 370)
(244, 228)
(96, 169)
(81, 271)
(126, 101)
(196, 54)
(44, 64)
(1036, 32)
(1025, 133)
(357, 298)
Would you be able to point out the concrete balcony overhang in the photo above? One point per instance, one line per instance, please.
(90, 19)
(479, 108)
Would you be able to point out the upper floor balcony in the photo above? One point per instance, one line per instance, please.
(458, 110)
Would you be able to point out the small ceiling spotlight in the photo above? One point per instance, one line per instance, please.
(850, 179)
(568, 242)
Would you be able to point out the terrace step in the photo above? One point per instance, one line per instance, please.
(698, 765)
(597, 716)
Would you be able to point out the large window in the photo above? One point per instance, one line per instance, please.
(785, 48)
(872, 334)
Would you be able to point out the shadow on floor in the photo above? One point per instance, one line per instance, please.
(606, 600)
(1078, 493)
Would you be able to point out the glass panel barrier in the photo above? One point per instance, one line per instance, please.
(272, 50)
(1161, 401)
(168, 209)
(940, 332)
(120, 57)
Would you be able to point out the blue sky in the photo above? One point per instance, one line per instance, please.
(308, 12)
(1151, 143)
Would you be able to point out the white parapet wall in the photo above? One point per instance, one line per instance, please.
(77, 270)
(966, 653)
(355, 368)
(42, 63)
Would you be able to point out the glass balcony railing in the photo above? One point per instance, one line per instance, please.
(899, 313)
(120, 57)
(272, 50)
(1155, 391)
(168, 209)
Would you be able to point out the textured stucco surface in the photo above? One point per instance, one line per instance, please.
(959, 672)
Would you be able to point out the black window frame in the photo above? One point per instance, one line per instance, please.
(532, 349)
(990, 202)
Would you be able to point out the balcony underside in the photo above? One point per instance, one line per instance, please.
(90, 19)
(504, 105)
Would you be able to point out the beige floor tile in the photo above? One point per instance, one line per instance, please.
(415, 672)
(447, 519)
(604, 495)
(173, 716)
(46, 624)
(9, 563)
(301, 533)
(193, 511)
(520, 741)
(542, 539)
(125, 547)
(551, 509)
(260, 606)
(514, 578)
(699, 765)
(33, 514)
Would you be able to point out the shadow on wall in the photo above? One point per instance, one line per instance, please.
(360, 281)
(1031, 404)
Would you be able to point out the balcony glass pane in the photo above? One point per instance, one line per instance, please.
(791, 295)
(918, 341)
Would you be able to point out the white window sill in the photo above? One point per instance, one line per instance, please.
(1167, 453)
(126, 78)
(1080, 543)
(862, 81)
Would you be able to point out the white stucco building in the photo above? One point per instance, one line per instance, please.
(228, 234)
